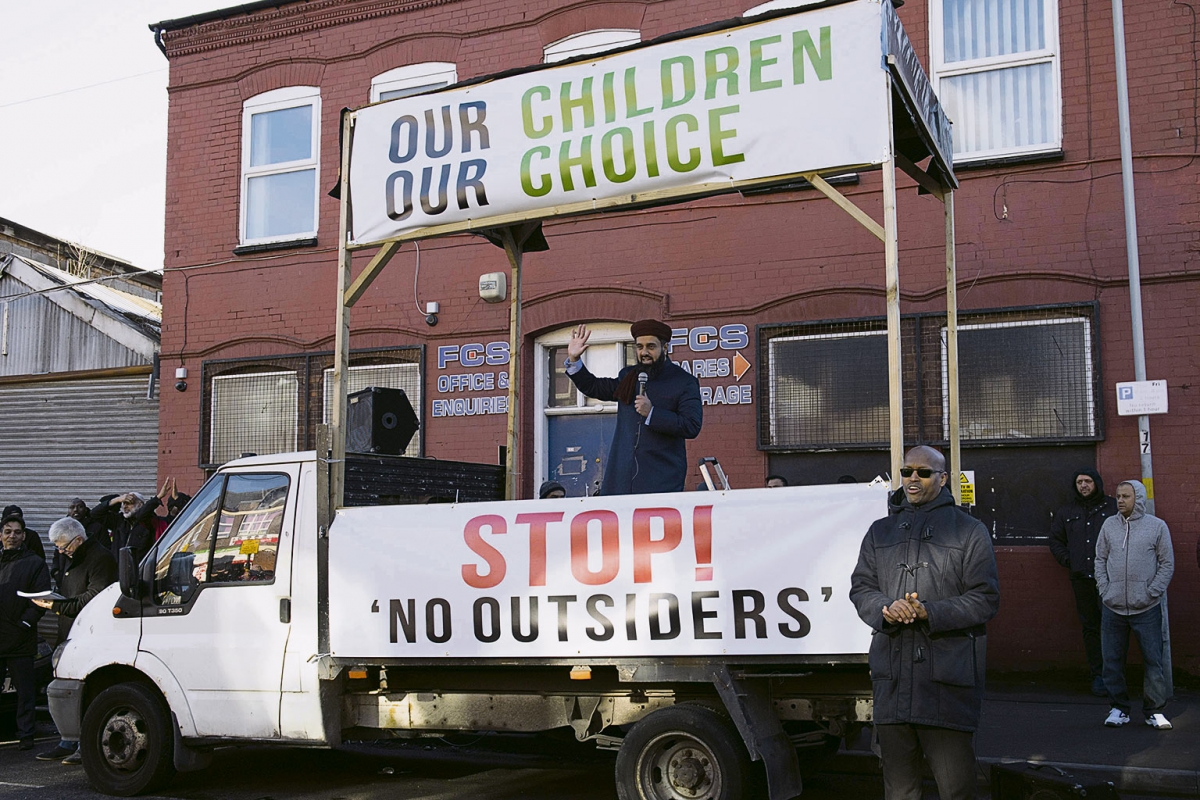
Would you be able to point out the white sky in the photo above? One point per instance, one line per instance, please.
(83, 142)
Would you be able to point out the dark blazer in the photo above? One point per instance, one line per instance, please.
(929, 672)
(652, 457)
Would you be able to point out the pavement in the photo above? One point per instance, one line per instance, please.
(1055, 720)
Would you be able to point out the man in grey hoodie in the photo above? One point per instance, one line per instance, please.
(1134, 564)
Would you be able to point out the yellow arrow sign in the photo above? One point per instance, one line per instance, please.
(740, 365)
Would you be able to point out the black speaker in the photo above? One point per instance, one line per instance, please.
(1030, 781)
(379, 420)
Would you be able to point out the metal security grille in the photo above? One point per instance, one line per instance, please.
(1026, 376)
(274, 404)
(388, 376)
(253, 413)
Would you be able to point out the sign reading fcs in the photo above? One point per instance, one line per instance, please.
(741, 572)
(690, 116)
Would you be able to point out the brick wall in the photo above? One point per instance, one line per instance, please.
(1050, 232)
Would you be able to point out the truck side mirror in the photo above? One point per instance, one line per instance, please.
(127, 573)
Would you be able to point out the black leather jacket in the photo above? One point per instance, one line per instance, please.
(929, 672)
(1076, 527)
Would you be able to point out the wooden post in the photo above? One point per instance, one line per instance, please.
(514, 249)
(891, 257)
(341, 355)
(952, 351)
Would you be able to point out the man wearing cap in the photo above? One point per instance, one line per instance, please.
(655, 417)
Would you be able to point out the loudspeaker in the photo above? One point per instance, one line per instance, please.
(1029, 781)
(379, 420)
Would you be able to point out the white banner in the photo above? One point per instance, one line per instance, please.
(805, 92)
(746, 572)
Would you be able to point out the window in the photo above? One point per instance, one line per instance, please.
(280, 144)
(995, 68)
(390, 376)
(597, 41)
(777, 5)
(829, 388)
(1027, 379)
(412, 79)
(1025, 376)
(255, 413)
(239, 548)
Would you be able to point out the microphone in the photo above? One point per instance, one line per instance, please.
(642, 378)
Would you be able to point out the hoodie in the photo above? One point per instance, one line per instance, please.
(1076, 526)
(1134, 559)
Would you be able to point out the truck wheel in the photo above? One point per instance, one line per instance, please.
(126, 741)
(685, 752)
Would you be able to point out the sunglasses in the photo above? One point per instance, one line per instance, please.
(922, 472)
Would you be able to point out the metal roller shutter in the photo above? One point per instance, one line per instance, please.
(83, 438)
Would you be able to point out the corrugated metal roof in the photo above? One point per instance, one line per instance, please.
(121, 303)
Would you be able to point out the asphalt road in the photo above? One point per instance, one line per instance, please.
(438, 772)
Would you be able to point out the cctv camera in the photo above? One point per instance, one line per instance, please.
(431, 320)
(181, 386)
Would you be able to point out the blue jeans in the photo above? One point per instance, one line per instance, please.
(1114, 640)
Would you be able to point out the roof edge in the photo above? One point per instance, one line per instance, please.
(219, 14)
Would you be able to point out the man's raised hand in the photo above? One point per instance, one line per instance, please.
(579, 342)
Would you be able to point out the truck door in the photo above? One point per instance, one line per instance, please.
(215, 619)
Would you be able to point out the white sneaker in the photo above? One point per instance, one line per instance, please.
(1117, 718)
(1158, 722)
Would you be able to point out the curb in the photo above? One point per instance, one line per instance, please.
(1127, 779)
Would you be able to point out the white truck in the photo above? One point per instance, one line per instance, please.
(692, 633)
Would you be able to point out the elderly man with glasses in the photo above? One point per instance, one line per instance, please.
(20, 571)
(926, 583)
(89, 569)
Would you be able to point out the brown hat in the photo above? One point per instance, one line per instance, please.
(651, 327)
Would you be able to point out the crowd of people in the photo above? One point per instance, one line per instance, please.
(87, 543)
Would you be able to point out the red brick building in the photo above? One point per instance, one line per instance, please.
(776, 297)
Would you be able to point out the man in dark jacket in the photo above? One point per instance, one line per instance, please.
(655, 415)
(90, 569)
(926, 583)
(20, 571)
(93, 526)
(130, 518)
(33, 542)
(1073, 534)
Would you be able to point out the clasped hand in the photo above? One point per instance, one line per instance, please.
(905, 611)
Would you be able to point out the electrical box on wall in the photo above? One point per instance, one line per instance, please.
(493, 287)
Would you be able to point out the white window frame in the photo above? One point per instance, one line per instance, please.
(940, 70)
(585, 43)
(414, 76)
(1089, 362)
(277, 100)
(603, 333)
(777, 5)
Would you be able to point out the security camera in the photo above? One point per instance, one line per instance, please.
(181, 386)
(431, 320)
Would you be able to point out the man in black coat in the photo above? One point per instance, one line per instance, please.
(130, 518)
(20, 571)
(926, 582)
(33, 542)
(655, 416)
(93, 526)
(90, 568)
(1073, 534)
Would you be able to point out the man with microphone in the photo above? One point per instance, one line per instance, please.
(658, 410)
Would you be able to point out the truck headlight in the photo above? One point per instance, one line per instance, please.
(58, 651)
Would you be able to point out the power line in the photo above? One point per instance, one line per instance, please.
(82, 88)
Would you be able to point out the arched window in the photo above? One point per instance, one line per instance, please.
(587, 42)
(413, 79)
